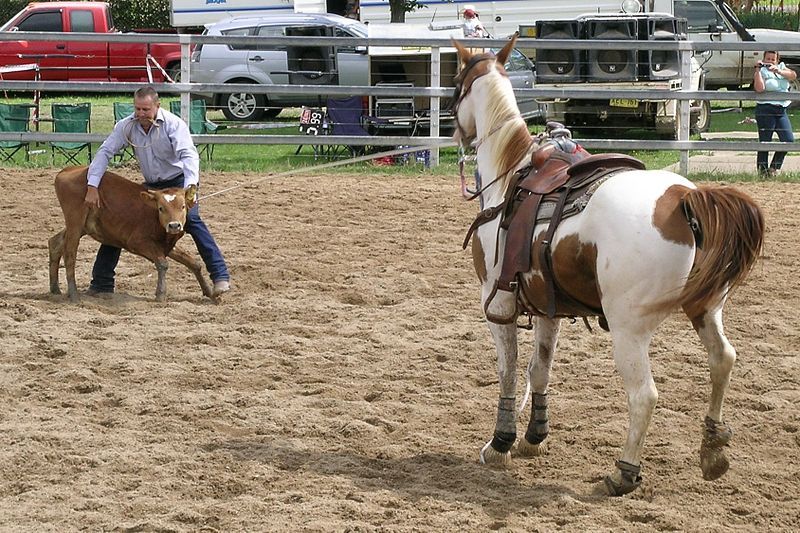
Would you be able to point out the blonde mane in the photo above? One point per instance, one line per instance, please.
(504, 117)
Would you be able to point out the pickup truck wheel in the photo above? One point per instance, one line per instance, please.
(702, 120)
(243, 106)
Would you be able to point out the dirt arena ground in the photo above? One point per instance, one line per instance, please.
(348, 381)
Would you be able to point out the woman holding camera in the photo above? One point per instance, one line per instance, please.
(772, 76)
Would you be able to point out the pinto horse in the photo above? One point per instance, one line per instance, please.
(646, 243)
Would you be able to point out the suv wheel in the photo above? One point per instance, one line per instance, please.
(702, 120)
(243, 106)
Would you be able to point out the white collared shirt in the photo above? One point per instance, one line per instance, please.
(164, 152)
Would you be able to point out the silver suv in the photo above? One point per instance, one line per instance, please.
(312, 65)
(300, 65)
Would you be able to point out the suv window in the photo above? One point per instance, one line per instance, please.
(517, 61)
(82, 21)
(47, 21)
(243, 32)
(700, 15)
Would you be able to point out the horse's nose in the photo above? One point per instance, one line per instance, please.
(174, 227)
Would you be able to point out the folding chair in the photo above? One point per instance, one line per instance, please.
(123, 110)
(14, 119)
(346, 117)
(71, 118)
(198, 123)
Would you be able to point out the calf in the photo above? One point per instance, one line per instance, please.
(145, 222)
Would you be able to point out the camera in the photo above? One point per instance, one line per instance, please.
(760, 64)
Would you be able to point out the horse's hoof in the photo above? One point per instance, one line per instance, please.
(491, 457)
(526, 449)
(714, 463)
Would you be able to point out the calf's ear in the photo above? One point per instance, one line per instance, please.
(191, 196)
(149, 197)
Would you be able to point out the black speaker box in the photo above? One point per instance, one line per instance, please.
(563, 65)
(612, 65)
(664, 64)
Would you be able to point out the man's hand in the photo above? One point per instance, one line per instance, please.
(92, 199)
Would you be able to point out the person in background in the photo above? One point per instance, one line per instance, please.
(167, 158)
(772, 76)
(473, 27)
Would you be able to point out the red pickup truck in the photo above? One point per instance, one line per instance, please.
(80, 61)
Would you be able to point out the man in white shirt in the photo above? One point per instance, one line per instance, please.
(167, 158)
(473, 27)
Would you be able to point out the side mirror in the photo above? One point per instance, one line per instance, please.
(715, 28)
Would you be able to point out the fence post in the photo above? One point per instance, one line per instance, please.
(186, 51)
(684, 112)
(436, 82)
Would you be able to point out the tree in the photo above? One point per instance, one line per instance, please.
(399, 8)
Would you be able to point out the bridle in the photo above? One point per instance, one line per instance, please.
(459, 93)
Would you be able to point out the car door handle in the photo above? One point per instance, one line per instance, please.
(61, 47)
(255, 58)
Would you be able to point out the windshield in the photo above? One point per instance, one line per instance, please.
(8, 25)
(358, 29)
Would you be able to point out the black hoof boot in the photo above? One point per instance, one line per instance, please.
(630, 479)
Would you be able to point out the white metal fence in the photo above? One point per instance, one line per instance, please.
(436, 92)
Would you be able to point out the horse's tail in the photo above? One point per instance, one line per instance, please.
(729, 235)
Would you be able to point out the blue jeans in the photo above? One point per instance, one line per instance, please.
(772, 119)
(108, 256)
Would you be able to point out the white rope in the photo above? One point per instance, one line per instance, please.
(132, 123)
(332, 164)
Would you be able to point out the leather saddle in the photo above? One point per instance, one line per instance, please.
(556, 185)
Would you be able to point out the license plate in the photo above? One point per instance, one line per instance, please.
(624, 102)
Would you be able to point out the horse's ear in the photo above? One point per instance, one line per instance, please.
(463, 54)
(502, 56)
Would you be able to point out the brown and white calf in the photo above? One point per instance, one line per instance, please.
(145, 222)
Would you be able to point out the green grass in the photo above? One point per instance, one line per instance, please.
(268, 159)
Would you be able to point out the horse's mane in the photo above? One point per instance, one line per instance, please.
(503, 113)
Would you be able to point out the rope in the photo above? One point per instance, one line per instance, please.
(332, 164)
(128, 128)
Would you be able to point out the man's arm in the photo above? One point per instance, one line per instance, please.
(113, 144)
(186, 152)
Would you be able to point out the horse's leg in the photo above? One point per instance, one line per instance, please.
(533, 443)
(498, 450)
(631, 341)
(721, 357)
